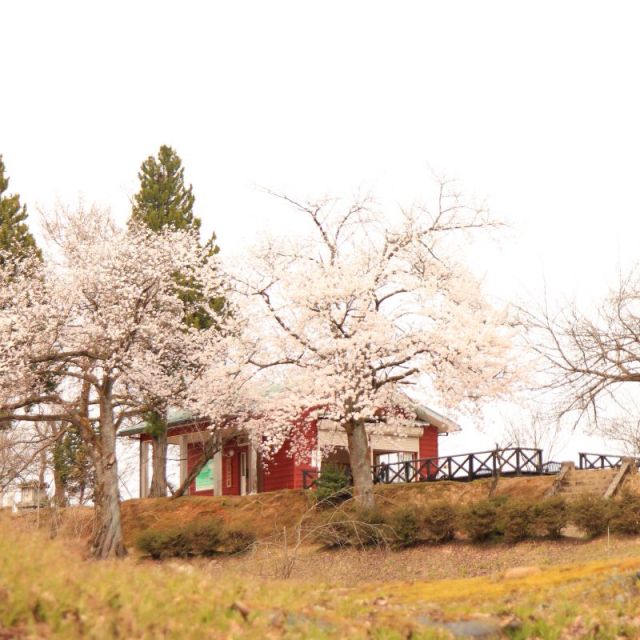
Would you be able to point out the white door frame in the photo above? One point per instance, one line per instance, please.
(244, 472)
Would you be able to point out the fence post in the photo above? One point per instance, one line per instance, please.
(539, 460)
(470, 458)
(494, 461)
(518, 461)
(449, 472)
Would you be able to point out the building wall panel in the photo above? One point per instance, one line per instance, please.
(429, 443)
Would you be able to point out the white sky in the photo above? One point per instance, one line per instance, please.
(535, 105)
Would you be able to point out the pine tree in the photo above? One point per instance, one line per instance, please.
(15, 237)
(72, 469)
(164, 201)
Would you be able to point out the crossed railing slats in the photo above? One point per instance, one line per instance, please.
(602, 461)
(466, 466)
(462, 467)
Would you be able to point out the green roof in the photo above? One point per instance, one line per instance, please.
(174, 416)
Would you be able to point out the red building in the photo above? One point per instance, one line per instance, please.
(239, 470)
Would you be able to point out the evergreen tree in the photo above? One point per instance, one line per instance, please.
(15, 237)
(72, 468)
(164, 201)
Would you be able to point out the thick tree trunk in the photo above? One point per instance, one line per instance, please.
(360, 459)
(211, 446)
(107, 539)
(158, 487)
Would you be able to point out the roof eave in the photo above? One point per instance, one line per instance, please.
(437, 420)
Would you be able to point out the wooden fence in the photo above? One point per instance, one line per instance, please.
(463, 467)
(602, 461)
(515, 461)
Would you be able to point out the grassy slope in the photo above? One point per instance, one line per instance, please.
(48, 590)
(269, 513)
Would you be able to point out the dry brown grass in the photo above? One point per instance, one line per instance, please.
(265, 513)
(268, 514)
(458, 559)
(528, 488)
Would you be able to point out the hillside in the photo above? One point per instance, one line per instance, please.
(269, 513)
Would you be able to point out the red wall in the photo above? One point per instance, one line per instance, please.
(429, 443)
(231, 468)
(279, 470)
(428, 449)
(283, 471)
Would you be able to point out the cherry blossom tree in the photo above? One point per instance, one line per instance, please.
(364, 306)
(93, 335)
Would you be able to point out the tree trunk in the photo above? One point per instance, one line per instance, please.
(360, 459)
(211, 446)
(158, 487)
(107, 539)
(60, 493)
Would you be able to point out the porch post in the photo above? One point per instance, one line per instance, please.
(253, 470)
(144, 468)
(371, 457)
(217, 473)
(184, 456)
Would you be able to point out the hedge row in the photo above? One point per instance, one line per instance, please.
(500, 519)
(203, 538)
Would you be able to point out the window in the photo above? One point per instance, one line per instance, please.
(228, 472)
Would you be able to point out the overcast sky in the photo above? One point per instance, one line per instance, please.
(534, 105)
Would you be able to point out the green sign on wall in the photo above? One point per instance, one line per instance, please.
(204, 480)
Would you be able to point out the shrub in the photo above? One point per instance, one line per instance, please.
(203, 538)
(439, 522)
(405, 524)
(364, 528)
(480, 520)
(195, 539)
(591, 513)
(626, 514)
(156, 544)
(551, 516)
(516, 519)
(332, 487)
(237, 539)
